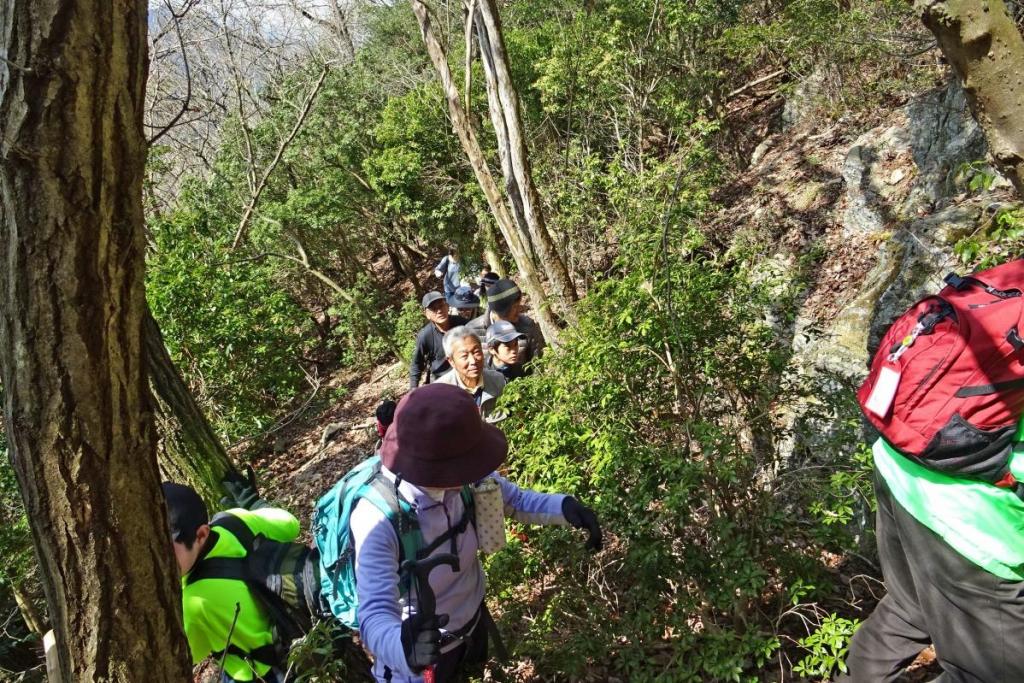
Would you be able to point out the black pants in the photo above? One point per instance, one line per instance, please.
(452, 665)
(936, 596)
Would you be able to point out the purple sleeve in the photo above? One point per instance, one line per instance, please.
(380, 612)
(531, 507)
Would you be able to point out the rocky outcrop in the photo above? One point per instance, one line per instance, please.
(901, 209)
(867, 224)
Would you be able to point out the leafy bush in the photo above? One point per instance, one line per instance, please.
(231, 327)
(667, 429)
(827, 647)
(410, 320)
(996, 241)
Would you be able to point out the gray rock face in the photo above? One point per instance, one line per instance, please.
(942, 136)
(899, 199)
(898, 187)
(905, 169)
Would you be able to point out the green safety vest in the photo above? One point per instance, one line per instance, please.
(209, 605)
(982, 522)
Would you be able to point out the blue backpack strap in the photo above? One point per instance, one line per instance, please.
(400, 513)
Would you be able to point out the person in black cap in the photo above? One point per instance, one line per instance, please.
(209, 606)
(465, 302)
(437, 445)
(505, 302)
(503, 350)
(429, 354)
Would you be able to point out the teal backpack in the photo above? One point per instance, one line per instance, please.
(333, 537)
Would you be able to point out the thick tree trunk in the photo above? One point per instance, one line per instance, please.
(191, 454)
(985, 49)
(531, 281)
(503, 102)
(72, 302)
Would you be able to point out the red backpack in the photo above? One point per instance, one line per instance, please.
(946, 386)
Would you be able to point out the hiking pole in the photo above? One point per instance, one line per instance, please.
(427, 603)
(227, 643)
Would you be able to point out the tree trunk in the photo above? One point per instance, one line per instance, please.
(531, 281)
(985, 49)
(192, 453)
(491, 246)
(503, 102)
(72, 302)
(406, 267)
(29, 614)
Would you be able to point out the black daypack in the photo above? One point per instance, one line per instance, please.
(284, 577)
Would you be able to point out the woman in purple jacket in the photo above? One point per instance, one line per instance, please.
(436, 445)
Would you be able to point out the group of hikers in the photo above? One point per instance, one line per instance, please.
(397, 540)
(945, 393)
(478, 352)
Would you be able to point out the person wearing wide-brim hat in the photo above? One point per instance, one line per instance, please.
(505, 303)
(436, 445)
(464, 301)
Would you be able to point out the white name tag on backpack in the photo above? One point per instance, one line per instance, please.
(884, 391)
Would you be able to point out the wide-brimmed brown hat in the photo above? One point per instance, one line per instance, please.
(438, 439)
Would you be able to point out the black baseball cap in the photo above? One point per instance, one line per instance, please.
(431, 297)
(186, 511)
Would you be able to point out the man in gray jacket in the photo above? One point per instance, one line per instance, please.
(465, 353)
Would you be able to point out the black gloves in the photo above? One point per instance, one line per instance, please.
(242, 492)
(582, 517)
(421, 639)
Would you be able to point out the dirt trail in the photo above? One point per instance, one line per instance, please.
(299, 467)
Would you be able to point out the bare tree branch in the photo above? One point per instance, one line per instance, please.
(307, 106)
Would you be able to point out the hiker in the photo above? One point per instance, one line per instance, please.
(465, 302)
(209, 606)
(384, 416)
(436, 446)
(949, 476)
(504, 302)
(448, 271)
(503, 350)
(429, 355)
(469, 372)
(487, 279)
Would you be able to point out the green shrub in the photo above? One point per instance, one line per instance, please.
(231, 326)
(661, 411)
(407, 326)
(996, 241)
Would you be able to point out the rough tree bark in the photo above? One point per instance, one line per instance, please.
(531, 281)
(192, 453)
(503, 103)
(986, 50)
(72, 301)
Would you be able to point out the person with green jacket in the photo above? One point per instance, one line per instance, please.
(224, 614)
(952, 554)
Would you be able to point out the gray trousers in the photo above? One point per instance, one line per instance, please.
(936, 596)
